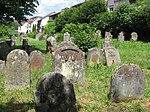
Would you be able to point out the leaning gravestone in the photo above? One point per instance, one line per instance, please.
(51, 44)
(37, 60)
(112, 56)
(69, 61)
(94, 56)
(127, 83)
(134, 36)
(17, 70)
(54, 93)
(121, 37)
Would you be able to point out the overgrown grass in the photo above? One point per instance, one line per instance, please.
(92, 96)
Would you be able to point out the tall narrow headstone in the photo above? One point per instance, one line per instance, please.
(121, 37)
(17, 71)
(51, 44)
(112, 56)
(108, 37)
(69, 61)
(127, 83)
(54, 93)
(37, 60)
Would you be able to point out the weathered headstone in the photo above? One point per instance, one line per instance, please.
(94, 56)
(121, 37)
(66, 36)
(112, 56)
(2, 66)
(108, 37)
(127, 83)
(37, 60)
(51, 44)
(4, 50)
(134, 36)
(14, 40)
(54, 93)
(69, 61)
(17, 70)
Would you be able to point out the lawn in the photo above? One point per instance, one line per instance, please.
(92, 96)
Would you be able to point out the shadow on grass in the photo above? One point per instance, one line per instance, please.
(12, 106)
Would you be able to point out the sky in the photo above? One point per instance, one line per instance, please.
(47, 6)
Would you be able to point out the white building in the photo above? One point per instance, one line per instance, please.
(23, 28)
(113, 4)
(43, 21)
(28, 26)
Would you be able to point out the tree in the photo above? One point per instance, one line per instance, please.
(50, 28)
(80, 14)
(16, 9)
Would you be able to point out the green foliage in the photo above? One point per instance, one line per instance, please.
(82, 35)
(80, 14)
(32, 35)
(50, 28)
(102, 21)
(127, 18)
(6, 31)
(34, 28)
(16, 9)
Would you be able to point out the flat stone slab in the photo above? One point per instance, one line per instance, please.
(127, 83)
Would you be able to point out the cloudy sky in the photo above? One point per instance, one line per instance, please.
(47, 6)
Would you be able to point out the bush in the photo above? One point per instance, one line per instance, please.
(32, 35)
(80, 14)
(82, 35)
(50, 28)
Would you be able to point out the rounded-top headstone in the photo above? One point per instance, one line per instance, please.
(127, 83)
(54, 93)
(17, 70)
(37, 60)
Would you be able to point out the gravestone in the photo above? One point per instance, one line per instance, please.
(121, 37)
(14, 40)
(54, 93)
(69, 61)
(112, 56)
(134, 36)
(127, 83)
(51, 44)
(17, 70)
(37, 60)
(2, 66)
(108, 37)
(4, 50)
(66, 36)
(94, 56)
(97, 34)
(24, 43)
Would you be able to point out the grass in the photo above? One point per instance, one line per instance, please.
(92, 96)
